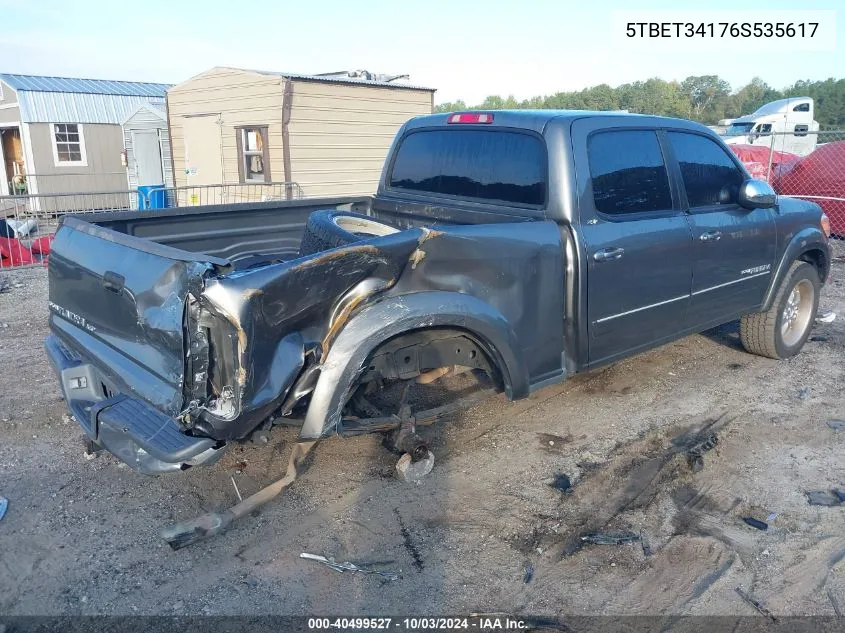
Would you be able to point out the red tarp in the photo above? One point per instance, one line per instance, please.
(14, 253)
(756, 159)
(819, 177)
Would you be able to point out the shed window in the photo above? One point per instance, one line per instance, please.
(68, 144)
(253, 158)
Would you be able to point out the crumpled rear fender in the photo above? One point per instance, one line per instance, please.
(397, 315)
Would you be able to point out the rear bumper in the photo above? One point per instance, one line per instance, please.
(136, 433)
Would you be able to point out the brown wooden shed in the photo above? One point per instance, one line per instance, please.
(328, 134)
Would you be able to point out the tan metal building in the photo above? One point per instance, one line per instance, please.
(328, 134)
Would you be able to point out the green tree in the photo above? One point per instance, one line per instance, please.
(451, 106)
(707, 96)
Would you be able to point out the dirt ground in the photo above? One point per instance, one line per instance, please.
(81, 536)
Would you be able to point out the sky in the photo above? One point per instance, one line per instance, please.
(466, 49)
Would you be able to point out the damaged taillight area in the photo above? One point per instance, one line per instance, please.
(211, 372)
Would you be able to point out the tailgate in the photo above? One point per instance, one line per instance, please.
(119, 302)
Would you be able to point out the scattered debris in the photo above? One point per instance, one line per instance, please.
(646, 543)
(609, 538)
(827, 498)
(836, 425)
(22, 228)
(756, 604)
(350, 567)
(527, 571)
(4, 505)
(803, 393)
(735, 365)
(834, 601)
(413, 472)
(237, 492)
(760, 525)
(696, 452)
(562, 482)
(5, 284)
(826, 317)
(188, 532)
(820, 338)
(772, 516)
(554, 443)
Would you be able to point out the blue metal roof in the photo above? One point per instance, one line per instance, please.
(35, 83)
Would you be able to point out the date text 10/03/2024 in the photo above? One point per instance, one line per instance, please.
(485, 623)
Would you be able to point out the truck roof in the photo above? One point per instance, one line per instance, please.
(537, 120)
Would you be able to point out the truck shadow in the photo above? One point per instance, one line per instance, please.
(726, 334)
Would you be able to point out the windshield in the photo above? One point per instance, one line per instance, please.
(738, 129)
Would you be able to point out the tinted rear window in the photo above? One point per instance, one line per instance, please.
(482, 164)
(628, 172)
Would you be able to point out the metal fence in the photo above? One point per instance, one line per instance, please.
(810, 166)
(27, 222)
(192, 196)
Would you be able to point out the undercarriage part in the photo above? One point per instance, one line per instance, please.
(350, 426)
(203, 527)
(430, 376)
(405, 438)
(428, 354)
(413, 472)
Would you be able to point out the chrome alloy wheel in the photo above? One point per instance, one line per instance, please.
(797, 312)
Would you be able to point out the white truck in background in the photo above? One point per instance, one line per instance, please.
(788, 123)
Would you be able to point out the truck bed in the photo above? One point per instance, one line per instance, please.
(242, 234)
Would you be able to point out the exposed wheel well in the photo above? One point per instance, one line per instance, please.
(415, 352)
(817, 258)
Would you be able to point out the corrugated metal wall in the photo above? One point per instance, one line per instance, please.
(145, 119)
(340, 134)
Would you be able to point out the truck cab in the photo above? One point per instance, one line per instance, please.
(786, 125)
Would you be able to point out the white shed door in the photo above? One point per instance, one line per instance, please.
(147, 152)
(203, 162)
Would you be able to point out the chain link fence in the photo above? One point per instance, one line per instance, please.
(809, 166)
(28, 221)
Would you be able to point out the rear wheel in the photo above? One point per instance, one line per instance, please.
(782, 330)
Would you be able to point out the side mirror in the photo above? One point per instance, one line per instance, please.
(757, 194)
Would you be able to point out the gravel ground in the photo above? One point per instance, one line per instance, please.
(81, 536)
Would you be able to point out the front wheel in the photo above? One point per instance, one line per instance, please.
(782, 330)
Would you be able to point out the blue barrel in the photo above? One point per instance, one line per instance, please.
(152, 197)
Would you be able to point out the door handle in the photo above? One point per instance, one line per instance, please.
(710, 236)
(607, 254)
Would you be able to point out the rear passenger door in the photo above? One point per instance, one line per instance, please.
(733, 247)
(636, 239)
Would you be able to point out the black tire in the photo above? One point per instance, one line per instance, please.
(769, 333)
(330, 228)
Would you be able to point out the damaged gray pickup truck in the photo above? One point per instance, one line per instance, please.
(520, 246)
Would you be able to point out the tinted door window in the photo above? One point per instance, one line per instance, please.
(802, 107)
(710, 176)
(483, 164)
(628, 172)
